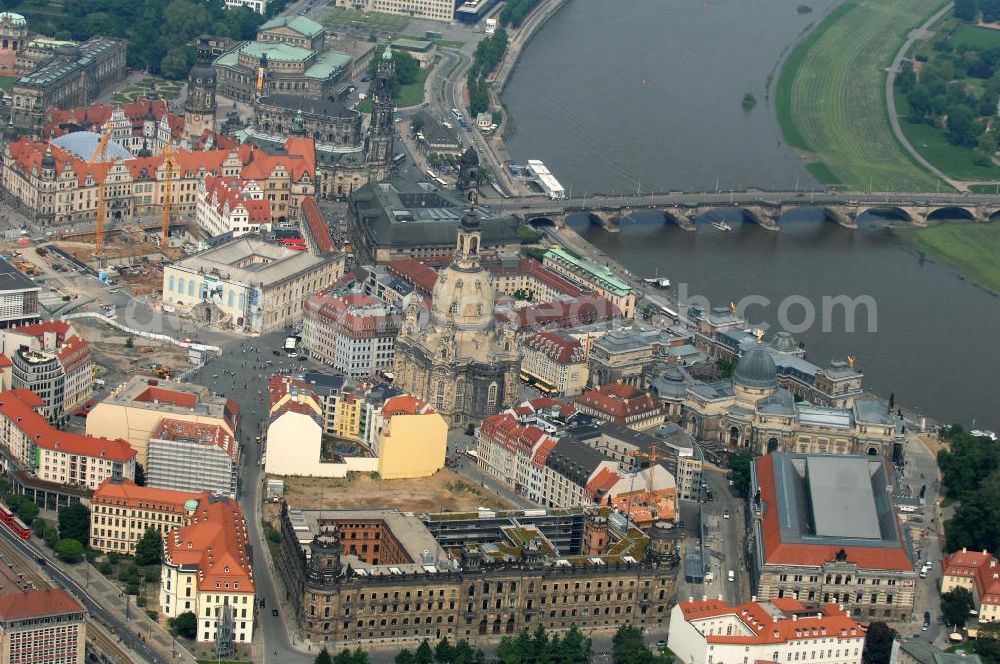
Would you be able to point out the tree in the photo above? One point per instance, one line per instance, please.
(962, 127)
(129, 342)
(424, 654)
(345, 656)
(628, 647)
(323, 657)
(27, 510)
(404, 656)
(966, 10)
(955, 606)
(444, 653)
(184, 625)
(149, 548)
(740, 463)
(878, 644)
(51, 537)
(69, 549)
(74, 523)
(140, 475)
(417, 123)
(175, 63)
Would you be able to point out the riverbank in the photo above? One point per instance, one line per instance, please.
(830, 97)
(970, 248)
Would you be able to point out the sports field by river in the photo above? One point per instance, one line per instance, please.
(830, 96)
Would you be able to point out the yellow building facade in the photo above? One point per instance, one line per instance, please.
(410, 439)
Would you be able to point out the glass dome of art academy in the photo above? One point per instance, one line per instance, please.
(83, 144)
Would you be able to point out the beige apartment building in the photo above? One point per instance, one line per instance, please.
(121, 511)
(133, 410)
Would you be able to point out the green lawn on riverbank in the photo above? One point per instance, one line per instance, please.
(971, 248)
(830, 96)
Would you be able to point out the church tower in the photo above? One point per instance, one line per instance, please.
(199, 107)
(378, 146)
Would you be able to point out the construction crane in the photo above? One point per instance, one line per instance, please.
(100, 155)
(653, 455)
(169, 168)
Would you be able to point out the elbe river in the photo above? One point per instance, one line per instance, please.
(627, 95)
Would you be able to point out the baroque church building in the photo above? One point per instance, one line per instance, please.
(456, 358)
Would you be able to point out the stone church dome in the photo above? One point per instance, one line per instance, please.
(756, 368)
(466, 298)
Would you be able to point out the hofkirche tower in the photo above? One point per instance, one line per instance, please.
(456, 358)
(381, 130)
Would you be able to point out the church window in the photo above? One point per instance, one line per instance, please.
(232, 299)
(473, 245)
(491, 398)
(170, 283)
(191, 288)
(453, 308)
(459, 394)
(439, 395)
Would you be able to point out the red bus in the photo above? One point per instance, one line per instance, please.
(22, 530)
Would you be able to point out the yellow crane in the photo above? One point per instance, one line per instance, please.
(100, 155)
(653, 455)
(169, 168)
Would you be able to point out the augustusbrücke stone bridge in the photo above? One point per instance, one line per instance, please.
(762, 207)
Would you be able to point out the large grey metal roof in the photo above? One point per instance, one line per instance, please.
(840, 490)
(83, 144)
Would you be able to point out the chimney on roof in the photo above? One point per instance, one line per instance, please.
(753, 598)
(794, 617)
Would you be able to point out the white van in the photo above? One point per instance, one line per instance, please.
(732, 575)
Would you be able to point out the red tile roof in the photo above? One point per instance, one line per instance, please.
(5, 361)
(299, 161)
(504, 429)
(405, 405)
(346, 314)
(601, 482)
(97, 115)
(163, 395)
(543, 403)
(561, 349)
(17, 605)
(206, 434)
(619, 403)
(777, 552)
(581, 311)
(422, 277)
(830, 622)
(216, 542)
(129, 494)
(18, 406)
(316, 226)
(226, 194)
(980, 566)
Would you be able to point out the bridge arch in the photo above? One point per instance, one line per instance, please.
(888, 212)
(541, 222)
(951, 212)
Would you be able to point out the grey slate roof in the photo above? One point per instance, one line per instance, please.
(12, 279)
(324, 107)
(402, 214)
(574, 460)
